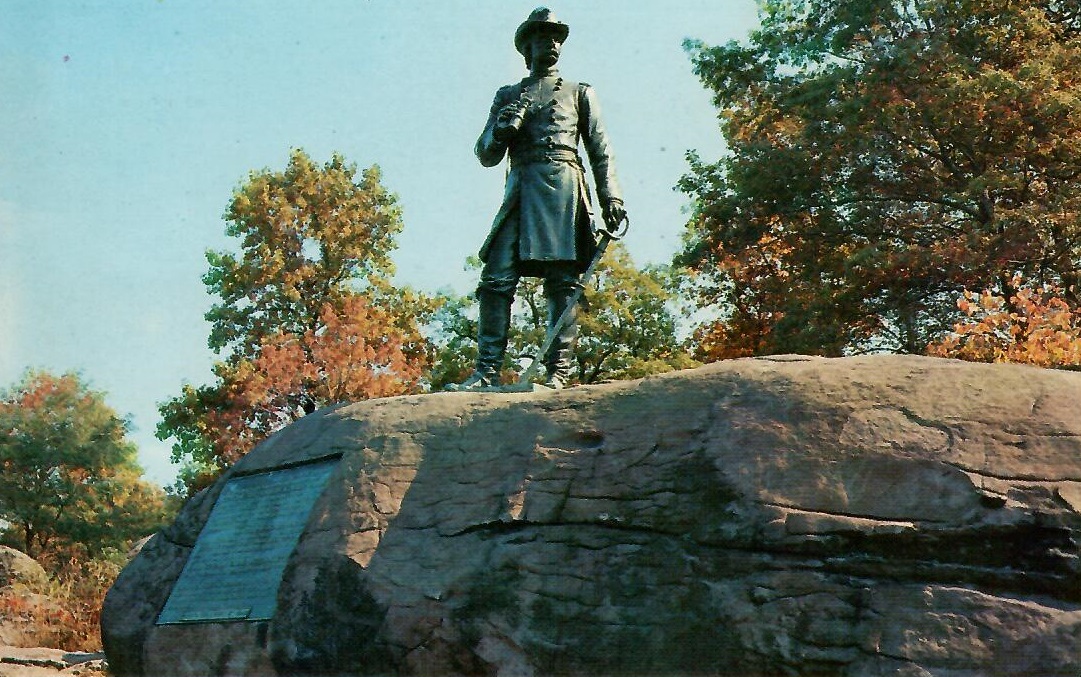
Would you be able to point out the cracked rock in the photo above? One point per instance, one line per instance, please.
(876, 515)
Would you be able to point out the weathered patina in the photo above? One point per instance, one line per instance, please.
(544, 227)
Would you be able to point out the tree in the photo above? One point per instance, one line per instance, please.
(454, 331)
(885, 156)
(307, 314)
(627, 325)
(1036, 326)
(310, 236)
(68, 474)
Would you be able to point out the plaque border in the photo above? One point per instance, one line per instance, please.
(242, 611)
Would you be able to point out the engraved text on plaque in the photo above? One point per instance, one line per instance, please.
(235, 568)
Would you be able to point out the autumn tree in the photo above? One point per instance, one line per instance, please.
(884, 156)
(1036, 326)
(307, 315)
(628, 325)
(69, 479)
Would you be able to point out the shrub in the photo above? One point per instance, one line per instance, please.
(64, 612)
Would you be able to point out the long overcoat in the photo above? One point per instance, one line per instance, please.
(546, 182)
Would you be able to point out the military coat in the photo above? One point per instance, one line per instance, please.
(546, 182)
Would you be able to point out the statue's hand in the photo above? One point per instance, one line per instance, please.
(503, 133)
(614, 214)
(509, 120)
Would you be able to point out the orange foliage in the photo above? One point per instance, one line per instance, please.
(307, 313)
(63, 612)
(738, 337)
(1036, 327)
(896, 153)
(358, 353)
(759, 279)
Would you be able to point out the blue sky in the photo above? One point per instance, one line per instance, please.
(126, 124)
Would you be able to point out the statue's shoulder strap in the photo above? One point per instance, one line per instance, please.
(585, 91)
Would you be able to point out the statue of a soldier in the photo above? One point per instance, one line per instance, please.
(543, 228)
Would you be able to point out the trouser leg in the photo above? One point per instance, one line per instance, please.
(495, 295)
(492, 330)
(560, 285)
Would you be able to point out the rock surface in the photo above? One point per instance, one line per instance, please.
(20, 577)
(878, 515)
(16, 567)
(20, 662)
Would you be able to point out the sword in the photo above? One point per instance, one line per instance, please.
(524, 383)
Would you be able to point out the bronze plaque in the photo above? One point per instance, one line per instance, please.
(236, 565)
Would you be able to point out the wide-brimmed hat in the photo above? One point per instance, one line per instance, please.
(539, 17)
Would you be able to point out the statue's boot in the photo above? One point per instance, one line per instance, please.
(492, 329)
(559, 360)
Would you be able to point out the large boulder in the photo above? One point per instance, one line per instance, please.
(877, 515)
(21, 582)
(18, 568)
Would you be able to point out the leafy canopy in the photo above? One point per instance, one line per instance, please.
(885, 156)
(69, 480)
(309, 236)
(1035, 326)
(307, 315)
(628, 325)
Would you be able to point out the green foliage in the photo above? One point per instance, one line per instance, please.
(454, 331)
(627, 325)
(884, 157)
(309, 235)
(69, 480)
(307, 314)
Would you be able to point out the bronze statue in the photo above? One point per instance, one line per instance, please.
(544, 226)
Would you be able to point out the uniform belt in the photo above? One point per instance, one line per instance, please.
(527, 156)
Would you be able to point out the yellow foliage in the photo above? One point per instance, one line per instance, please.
(64, 612)
(1036, 327)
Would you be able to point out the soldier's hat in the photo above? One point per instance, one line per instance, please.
(541, 16)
